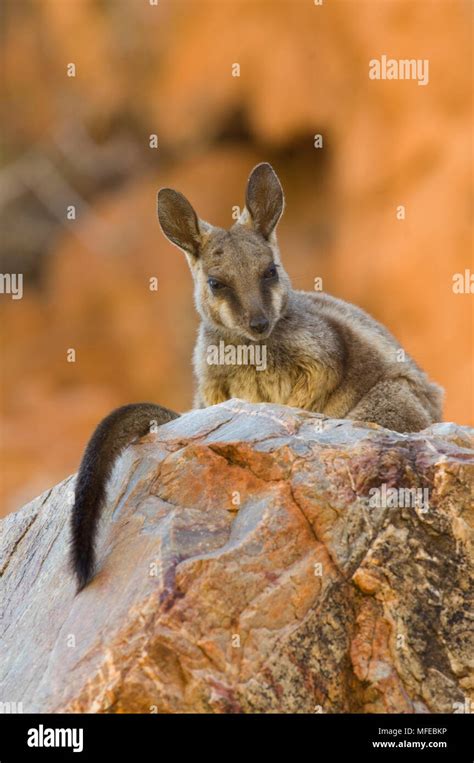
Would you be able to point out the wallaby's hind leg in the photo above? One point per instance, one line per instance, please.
(114, 433)
(393, 405)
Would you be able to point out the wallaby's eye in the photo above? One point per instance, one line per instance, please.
(270, 273)
(215, 284)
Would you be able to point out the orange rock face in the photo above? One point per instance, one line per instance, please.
(246, 565)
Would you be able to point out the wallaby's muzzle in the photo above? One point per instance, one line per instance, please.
(259, 324)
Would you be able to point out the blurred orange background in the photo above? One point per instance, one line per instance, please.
(167, 70)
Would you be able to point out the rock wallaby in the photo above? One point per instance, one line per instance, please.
(321, 353)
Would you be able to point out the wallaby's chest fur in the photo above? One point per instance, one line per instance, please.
(324, 355)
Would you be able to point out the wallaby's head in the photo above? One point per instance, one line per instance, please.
(240, 284)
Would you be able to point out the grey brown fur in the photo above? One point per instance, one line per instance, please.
(322, 354)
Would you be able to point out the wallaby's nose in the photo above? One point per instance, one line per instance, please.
(259, 324)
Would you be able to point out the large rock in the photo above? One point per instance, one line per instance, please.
(246, 565)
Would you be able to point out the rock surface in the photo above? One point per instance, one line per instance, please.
(246, 565)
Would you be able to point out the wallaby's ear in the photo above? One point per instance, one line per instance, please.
(264, 200)
(179, 222)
